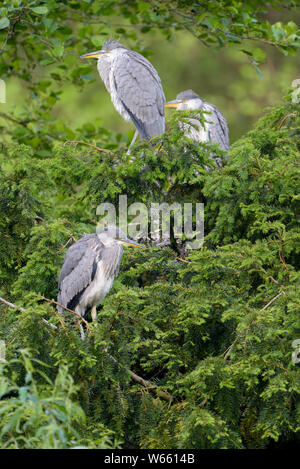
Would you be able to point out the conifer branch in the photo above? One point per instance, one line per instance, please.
(147, 384)
(229, 349)
(273, 299)
(11, 305)
(67, 309)
(78, 142)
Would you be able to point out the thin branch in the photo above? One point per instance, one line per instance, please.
(246, 335)
(11, 30)
(229, 349)
(202, 403)
(11, 305)
(268, 276)
(102, 150)
(273, 299)
(37, 217)
(49, 323)
(71, 238)
(5, 41)
(260, 39)
(281, 255)
(12, 119)
(147, 384)
(67, 309)
(183, 260)
(291, 114)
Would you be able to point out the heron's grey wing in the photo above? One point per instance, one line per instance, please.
(73, 255)
(78, 270)
(139, 87)
(218, 129)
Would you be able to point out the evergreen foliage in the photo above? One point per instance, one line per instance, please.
(190, 350)
(212, 336)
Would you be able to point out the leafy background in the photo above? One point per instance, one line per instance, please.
(192, 353)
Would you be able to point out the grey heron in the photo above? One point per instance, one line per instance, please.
(215, 129)
(89, 269)
(134, 86)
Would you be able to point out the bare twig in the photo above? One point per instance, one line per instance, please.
(229, 349)
(67, 309)
(71, 238)
(291, 114)
(5, 42)
(182, 260)
(202, 403)
(268, 276)
(281, 255)
(147, 384)
(78, 142)
(49, 323)
(11, 305)
(273, 299)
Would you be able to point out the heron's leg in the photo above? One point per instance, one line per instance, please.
(79, 322)
(94, 313)
(82, 334)
(132, 142)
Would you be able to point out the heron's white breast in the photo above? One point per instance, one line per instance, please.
(98, 289)
(196, 132)
(113, 73)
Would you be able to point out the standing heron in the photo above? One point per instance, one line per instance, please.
(215, 130)
(134, 86)
(89, 269)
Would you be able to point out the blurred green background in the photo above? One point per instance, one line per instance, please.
(223, 77)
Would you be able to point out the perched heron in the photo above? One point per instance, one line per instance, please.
(134, 86)
(215, 129)
(89, 269)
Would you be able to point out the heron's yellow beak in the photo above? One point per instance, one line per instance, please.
(174, 103)
(130, 242)
(96, 54)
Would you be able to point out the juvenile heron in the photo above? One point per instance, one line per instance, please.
(215, 130)
(89, 269)
(134, 86)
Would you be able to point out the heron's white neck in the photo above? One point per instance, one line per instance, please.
(190, 104)
(111, 55)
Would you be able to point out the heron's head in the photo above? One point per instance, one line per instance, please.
(186, 100)
(107, 49)
(112, 235)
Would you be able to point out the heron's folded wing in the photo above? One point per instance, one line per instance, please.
(78, 269)
(218, 129)
(195, 131)
(139, 88)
